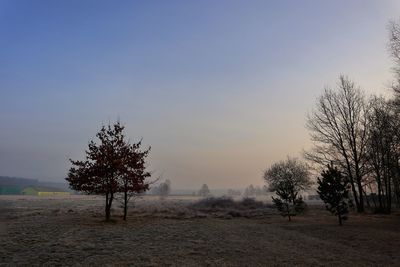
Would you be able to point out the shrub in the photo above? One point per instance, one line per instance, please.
(251, 203)
(215, 203)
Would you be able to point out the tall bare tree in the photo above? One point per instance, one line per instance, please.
(338, 128)
(382, 152)
(394, 49)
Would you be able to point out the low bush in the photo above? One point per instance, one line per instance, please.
(251, 203)
(215, 203)
(224, 203)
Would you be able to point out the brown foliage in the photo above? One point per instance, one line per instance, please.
(113, 166)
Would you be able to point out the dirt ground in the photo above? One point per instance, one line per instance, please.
(71, 231)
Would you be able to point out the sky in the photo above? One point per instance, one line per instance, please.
(219, 89)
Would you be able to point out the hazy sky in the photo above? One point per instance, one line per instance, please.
(219, 89)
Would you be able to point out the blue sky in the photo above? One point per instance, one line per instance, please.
(219, 89)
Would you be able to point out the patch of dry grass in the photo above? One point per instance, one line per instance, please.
(71, 231)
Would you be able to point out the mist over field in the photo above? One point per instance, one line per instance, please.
(199, 133)
(220, 90)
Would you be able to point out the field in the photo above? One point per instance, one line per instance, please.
(71, 231)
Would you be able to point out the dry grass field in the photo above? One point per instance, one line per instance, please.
(71, 231)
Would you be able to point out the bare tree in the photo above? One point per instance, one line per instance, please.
(338, 128)
(382, 152)
(204, 191)
(162, 190)
(290, 169)
(250, 191)
(394, 49)
(233, 192)
(287, 179)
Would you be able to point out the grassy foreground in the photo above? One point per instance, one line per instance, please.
(71, 231)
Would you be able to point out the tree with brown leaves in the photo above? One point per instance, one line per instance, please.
(114, 166)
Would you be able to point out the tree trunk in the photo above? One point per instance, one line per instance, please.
(389, 207)
(355, 197)
(372, 197)
(360, 194)
(380, 193)
(107, 210)
(109, 200)
(352, 182)
(125, 204)
(366, 199)
(396, 180)
(340, 219)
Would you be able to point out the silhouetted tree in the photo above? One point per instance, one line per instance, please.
(258, 191)
(288, 202)
(249, 191)
(164, 189)
(394, 44)
(113, 166)
(132, 173)
(287, 179)
(339, 130)
(333, 189)
(233, 192)
(383, 152)
(265, 189)
(252, 191)
(204, 191)
(394, 48)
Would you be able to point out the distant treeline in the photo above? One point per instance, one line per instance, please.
(5, 180)
(18, 186)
